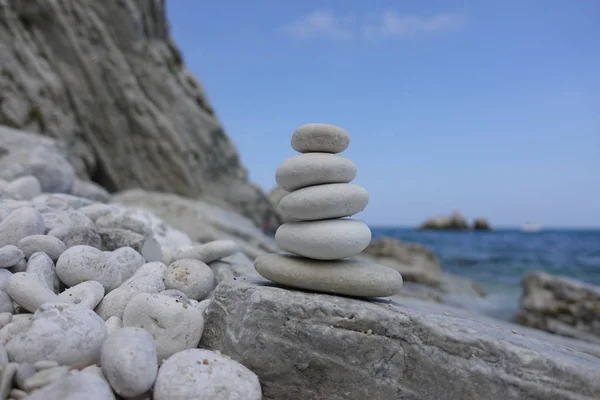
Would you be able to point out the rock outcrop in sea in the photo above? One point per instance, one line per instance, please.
(455, 221)
(106, 80)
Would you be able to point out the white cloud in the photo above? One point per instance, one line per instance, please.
(325, 24)
(321, 23)
(393, 24)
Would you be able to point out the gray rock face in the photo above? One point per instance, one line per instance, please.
(106, 80)
(560, 305)
(200, 220)
(311, 346)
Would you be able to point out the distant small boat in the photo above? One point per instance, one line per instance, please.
(531, 228)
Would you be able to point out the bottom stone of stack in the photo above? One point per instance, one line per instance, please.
(343, 277)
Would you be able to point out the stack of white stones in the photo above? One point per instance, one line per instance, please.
(320, 237)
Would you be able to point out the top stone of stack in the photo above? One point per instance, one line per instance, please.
(320, 138)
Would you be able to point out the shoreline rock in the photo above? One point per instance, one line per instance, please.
(560, 305)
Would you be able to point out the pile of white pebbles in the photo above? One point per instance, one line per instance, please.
(99, 301)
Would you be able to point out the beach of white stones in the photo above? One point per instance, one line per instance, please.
(100, 302)
(320, 239)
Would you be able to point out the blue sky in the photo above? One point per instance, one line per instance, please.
(490, 108)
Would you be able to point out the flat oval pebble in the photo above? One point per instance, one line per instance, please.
(129, 361)
(207, 252)
(4, 278)
(27, 290)
(97, 210)
(45, 377)
(69, 334)
(45, 364)
(6, 378)
(320, 138)
(10, 255)
(174, 325)
(5, 319)
(21, 223)
(197, 373)
(27, 187)
(50, 245)
(88, 294)
(333, 200)
(314, 169)
(192, 277)
(21, 266)
(3, 356)
(17, 394)
(20, 323)
(24, 371)
(41, 265)
(6, 303)
(75, 387)
(176, 294)
(324, 240)
(344, 277)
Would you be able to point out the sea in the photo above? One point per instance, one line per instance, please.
(499, 259)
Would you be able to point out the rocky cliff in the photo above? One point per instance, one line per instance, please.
(105, 80)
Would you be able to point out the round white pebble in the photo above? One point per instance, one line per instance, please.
(10, 255)
(50, 245)
(174, 325)
(75, 386)
(69, 334)
(192, 277)
(21, 223)
(129, 361)
(190, 372)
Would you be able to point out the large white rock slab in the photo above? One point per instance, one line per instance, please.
(334, 200)
(324, 240)
(314, 169)
(388, 350)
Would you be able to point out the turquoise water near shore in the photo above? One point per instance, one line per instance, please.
(499, 259)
